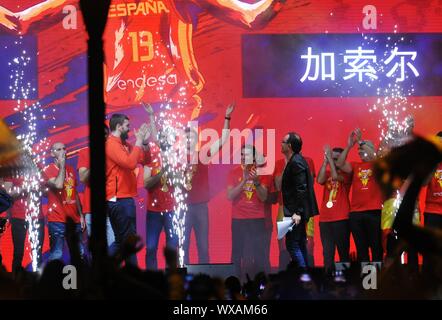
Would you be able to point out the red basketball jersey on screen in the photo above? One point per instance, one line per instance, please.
(433, 201)
(149, 54)
(335, 192)
(83, 162)
(366, 194)
(62, 203)
(160, 197)
(247, 205)
(200, 184)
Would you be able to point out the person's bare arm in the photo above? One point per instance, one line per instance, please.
(84, 174)
(8, 19)
(261, 190)
(225, 134)
(245, 14)
(149, 180)
(234, 191)
(152, 124)
(80, 212)
(333, 170)
(321, 178)
(342, 163)
(58, 182)
(371, 153)
(39, 12)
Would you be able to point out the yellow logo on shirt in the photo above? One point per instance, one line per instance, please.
(364, 175)
(333, 187)
(69, 188)
(438, 177)
(249, 188)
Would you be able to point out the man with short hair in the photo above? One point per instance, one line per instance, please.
(284, 257)
(161, 202)
(298, 199)
(248, 192)
(333, 218)
(121, 182)
(63, 203)
(197, 186)
(366, 199)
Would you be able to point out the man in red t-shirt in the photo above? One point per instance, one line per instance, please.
(63, 203)
(83, 168)
(197, 186)
(248, 192)
(333, 218)
(433, 204)
(366, 199)
(19, 225)
(160, 204)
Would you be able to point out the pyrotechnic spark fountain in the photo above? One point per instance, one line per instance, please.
(392, 98)
(170, 121)
(395, 122)
(33, 152)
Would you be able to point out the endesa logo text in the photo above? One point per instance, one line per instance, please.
(145, 81)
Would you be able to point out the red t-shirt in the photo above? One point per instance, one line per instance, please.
(148, 52)
(62, 203)
(200, 184)
(335, 192)
(366, 194)
(433, 202)
(160, 197)
(83, 162)
(19, 208)
(247, 205)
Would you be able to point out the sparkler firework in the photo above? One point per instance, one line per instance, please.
(33, 151)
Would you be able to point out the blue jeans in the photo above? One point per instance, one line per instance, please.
(57, 234)
(296, 244)
(197, 217)
(122, 215)
(111, 247)
(155, 222)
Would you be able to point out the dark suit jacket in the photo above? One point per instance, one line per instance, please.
(297, 189)
(5, 200)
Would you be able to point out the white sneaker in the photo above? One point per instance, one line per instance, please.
(305, 277)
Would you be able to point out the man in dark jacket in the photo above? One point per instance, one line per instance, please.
(299, 200)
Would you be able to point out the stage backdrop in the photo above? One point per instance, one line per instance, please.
(314, 68)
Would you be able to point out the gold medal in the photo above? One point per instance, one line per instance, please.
(332, 196)
(164, 186)
(189, 177)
